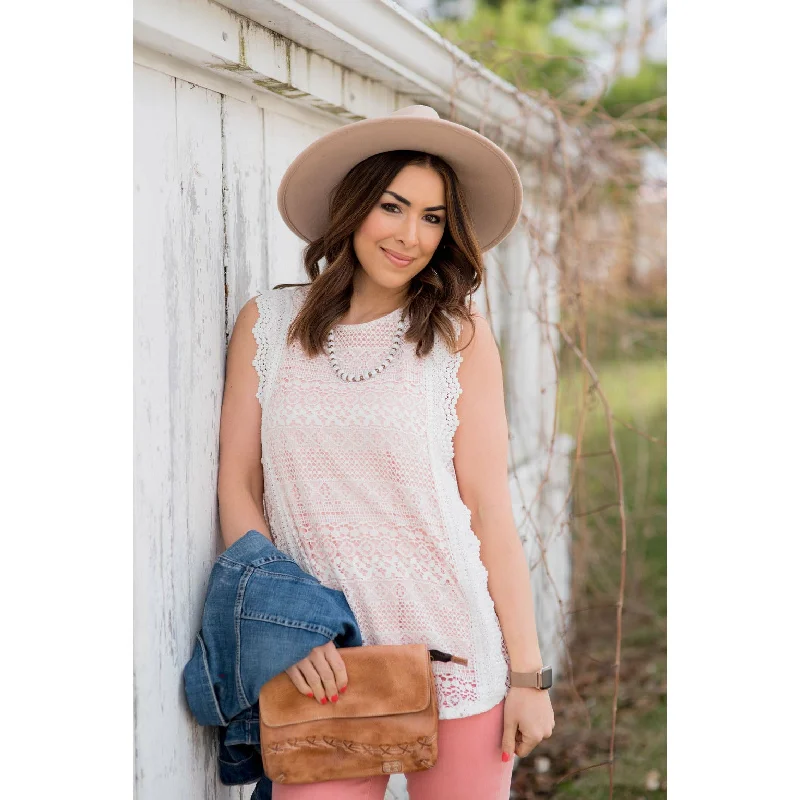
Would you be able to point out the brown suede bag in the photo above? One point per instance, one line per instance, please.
(386, 722)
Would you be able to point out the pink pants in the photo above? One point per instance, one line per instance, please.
(469, 767)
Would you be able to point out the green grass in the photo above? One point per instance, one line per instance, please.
(601, 793)
(634, 389)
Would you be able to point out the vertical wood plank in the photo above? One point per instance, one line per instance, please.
(245, 204)
(156, 220)
(284, 139)
(178, 378)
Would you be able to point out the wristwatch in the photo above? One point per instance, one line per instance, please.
(541, 679)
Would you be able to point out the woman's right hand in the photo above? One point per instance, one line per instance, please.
(321, 674)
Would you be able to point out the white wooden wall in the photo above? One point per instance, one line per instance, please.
(179, 318)
(208, 157)
(204, 166)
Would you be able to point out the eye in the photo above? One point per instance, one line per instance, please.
(434, 218)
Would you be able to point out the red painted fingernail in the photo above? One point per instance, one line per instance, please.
(324, 700)
(310, 694)
(335, 698)
(505, 756)
(343, 690)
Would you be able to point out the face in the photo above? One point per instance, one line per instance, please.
(407, 221)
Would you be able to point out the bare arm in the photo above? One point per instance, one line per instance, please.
(480, 459)
(240, 484)
(322, 674)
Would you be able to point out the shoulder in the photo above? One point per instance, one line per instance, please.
(256, 305)
(478, 343)
(246, 319)
(263, 305)
(253, 318)
(249, 311)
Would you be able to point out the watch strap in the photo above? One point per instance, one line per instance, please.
(540, 679)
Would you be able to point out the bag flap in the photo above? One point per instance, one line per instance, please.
(381, 680)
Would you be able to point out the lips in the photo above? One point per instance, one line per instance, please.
(396, 258)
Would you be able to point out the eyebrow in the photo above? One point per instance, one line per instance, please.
(403, 200)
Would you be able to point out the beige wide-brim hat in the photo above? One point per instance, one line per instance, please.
(489, 179)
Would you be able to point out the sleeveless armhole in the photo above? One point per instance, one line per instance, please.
(276, 308)
(261, 336)
(452, 390)
(488, 667)
(451, 362)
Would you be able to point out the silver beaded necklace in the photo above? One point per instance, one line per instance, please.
(365, 374)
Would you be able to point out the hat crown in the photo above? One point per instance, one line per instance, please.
(424, 112)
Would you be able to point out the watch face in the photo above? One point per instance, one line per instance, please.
(547, 677)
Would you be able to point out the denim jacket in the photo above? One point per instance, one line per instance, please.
(262, 614)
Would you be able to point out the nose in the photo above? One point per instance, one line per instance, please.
(407, 233)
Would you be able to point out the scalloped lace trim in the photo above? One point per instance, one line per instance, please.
(452, 391)
(274, 309)
(490, 653)
(260, 334)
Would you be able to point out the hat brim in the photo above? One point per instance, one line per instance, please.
(488, 177)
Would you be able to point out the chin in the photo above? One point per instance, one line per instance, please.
(395, 281)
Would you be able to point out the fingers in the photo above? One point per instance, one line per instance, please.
(298, 679)
(519, 743)
(321, 675)
(313, 680)
(524, 744)
(508, 743)
(337, 665)
(322, 658)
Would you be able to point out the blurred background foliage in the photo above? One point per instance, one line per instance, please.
(516, 40)
(645, 91)
(513, 38)
(611, 254)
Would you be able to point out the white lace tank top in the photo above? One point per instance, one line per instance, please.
(360, 490)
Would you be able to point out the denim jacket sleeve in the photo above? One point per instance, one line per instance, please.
(261, 615)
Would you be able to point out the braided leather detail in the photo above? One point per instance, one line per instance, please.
(327, 742)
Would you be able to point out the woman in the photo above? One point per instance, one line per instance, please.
(380, 422)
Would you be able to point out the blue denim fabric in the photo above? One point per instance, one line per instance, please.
(262, 614)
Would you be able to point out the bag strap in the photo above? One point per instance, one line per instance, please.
(438, 655)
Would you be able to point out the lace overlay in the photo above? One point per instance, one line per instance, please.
(360, 489)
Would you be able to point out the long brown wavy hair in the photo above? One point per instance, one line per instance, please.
(439, 290)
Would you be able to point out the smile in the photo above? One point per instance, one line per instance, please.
(397, 260)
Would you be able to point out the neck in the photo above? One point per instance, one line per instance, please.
(372, 301)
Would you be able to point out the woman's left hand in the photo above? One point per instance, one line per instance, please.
(527, 719)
